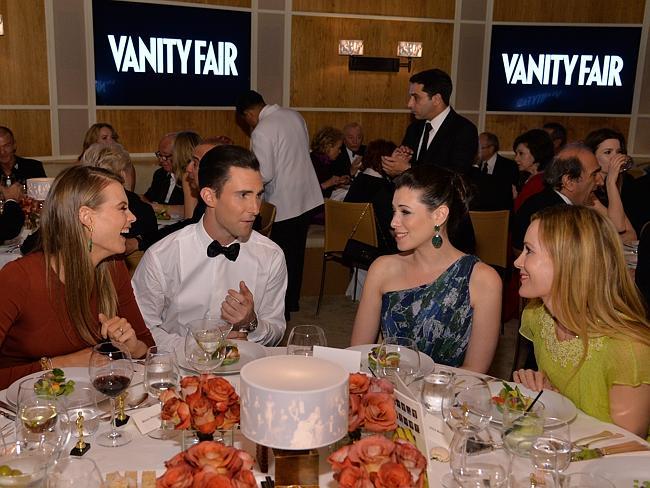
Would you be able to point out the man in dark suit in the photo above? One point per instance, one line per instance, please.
(348, 161)
(571, 179)
(14, 168)
(492, 163)
(439, 135)
(11, 216)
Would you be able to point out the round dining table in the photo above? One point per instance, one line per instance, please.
(144, 453)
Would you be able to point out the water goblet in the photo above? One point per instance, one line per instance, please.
(74, 472)
(111, 370)
(434, 389)
(521, 428)
(467, 403)
(42, 422)
(203, 343)
(84, 401)
(398, 356)
(160, 374)
(303, 338)
(551, 451)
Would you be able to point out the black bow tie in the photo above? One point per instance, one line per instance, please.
(231, 252)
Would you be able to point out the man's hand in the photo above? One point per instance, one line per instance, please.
(238, 307)
(398, 162)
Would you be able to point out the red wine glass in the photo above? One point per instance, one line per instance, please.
(110, 372)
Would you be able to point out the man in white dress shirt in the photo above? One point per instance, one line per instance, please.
(218, 265)
(280, 142)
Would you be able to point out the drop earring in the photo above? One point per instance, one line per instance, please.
(436, 240)
(90, 240)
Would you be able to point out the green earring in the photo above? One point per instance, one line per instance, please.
(436, 240)
(90, 240)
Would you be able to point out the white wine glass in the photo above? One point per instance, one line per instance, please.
(73, 472)
(110, 371)
(160, 374)
(398, 356)
(303, 338)
(551, 451)
(203, 343)
(42, 422)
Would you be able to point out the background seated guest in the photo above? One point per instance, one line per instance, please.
(492, 163)
(609, 147)
(114, 158)
(449, 302)
(14, 170)
(67, 296)
(348, 161)
(165, 189)
(558, 134)
(202, 269)
(588, 325)
(104, 133)
(184, 145)
(12, 217)
(372, 185)
(533, 152)
(325, 148)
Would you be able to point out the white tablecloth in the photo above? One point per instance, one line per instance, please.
(144, 453)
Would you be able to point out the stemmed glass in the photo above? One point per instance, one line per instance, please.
(160, 374)
(303, 338)
(111, 370)
(551, 451)
(74, 472)
(42, 422)
(204, 343)
(398, 356)
(467, 409)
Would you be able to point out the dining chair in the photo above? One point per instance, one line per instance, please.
(267, 217)
(491, 234)
(341, 219)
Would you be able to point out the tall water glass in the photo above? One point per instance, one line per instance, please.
(160, 374)
(434, 389)
(520, 428)
(303, 338)
(551, 451)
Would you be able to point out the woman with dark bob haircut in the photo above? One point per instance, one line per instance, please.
(533, 152)
(447, 301)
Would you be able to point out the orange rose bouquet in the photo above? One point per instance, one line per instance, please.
(205, 403)
(209, 464)
(377, 462)
(372, 404)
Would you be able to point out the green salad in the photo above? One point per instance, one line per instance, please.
(54, 383)
(513, 396)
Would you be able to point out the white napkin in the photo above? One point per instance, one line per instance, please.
(348, 360)
(147, 419)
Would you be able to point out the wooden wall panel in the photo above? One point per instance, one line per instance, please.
(579, 11)
(438, 9)
(320, 77)
(507, 127)
(31, 129)
(23, 53)
(375, 125)
(226, 3)
(141, 130)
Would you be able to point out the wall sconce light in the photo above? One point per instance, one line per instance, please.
(2, 26)
(358, 62)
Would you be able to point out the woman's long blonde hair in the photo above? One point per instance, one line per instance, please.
(65, 246)
(92, 136)
(184, 145)
(592, 292)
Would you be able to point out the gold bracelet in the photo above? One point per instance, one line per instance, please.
(46, 363)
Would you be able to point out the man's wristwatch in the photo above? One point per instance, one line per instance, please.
(250, 326)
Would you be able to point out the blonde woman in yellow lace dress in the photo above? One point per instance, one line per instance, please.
(586, 320)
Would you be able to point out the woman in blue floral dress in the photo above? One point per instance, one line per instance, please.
(449, 302)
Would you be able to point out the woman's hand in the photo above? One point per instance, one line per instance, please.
(615, 164)
(79, 358)
(533, 380)
(119, 330)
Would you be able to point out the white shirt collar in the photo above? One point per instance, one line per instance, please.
(564, 197)
(437, 121)
(491, 162)
(203, 236)
(268, 110)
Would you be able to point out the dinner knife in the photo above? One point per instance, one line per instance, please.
(7, 407)
(598, 452)
(8, 416)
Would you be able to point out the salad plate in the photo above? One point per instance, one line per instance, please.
(555, 405)
(248, 351)
(427, 366)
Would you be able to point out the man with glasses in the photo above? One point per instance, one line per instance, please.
(492, 163)
(164, 189)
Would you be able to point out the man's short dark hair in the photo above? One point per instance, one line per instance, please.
(434, 81)
(248, 100)
(492, 139)
(565, 164)
(6, 131)
(558, 132)
(214, 169)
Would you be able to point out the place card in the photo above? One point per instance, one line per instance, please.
(147, 419)
(350, 361)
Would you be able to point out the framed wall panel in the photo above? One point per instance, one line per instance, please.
(508, 127)
(389, 126)
(23, 53)
(320, 77)
(578, 11)
(470, 67)
(31, 129)
(141, 130)
(438, 9)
